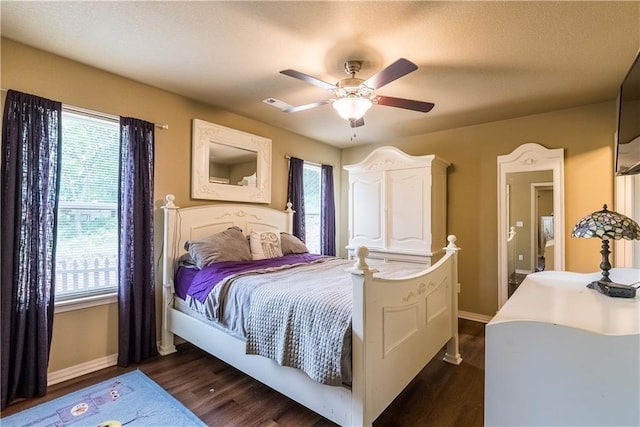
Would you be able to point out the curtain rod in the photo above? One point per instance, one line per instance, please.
(100, 115)
(96, 114)
(306, 161)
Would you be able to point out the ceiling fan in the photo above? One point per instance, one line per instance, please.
(354, 96)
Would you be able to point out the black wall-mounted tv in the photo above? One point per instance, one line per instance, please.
(627, 142)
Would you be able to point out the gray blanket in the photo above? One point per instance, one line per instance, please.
(317, 299)
(321, 345)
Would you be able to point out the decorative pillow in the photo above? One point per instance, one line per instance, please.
(228, 245)
(186, 261)
(290, 244)
(265, 244)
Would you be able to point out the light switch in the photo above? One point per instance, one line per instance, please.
(519, 224)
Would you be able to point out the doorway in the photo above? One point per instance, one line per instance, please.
(542, 238)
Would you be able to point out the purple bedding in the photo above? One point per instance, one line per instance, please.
(199, 283)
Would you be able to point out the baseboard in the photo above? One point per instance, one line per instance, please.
(111, 360)
(483, 318)
(81, 369)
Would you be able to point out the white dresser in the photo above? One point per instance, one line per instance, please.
(398, 205)
(560, 354)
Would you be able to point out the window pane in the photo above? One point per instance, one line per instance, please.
(312, 203)
(87, 243)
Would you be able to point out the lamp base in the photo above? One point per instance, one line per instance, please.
(612, 289)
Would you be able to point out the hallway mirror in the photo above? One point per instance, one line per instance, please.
(530, 214)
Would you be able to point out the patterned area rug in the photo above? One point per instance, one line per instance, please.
(132, 399)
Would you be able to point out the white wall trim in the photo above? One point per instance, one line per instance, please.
(71, 372)
(483, 318)
(85, 302)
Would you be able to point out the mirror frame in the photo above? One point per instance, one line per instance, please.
(204, 133)
(529, 157)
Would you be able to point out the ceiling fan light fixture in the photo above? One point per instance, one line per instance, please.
(352, 107)
(354, 96)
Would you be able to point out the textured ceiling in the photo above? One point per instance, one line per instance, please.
(478, 61)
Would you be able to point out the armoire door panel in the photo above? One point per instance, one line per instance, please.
(365, 219)
(408, 209)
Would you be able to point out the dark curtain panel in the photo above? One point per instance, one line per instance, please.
(31, 142)
(328, 213)
(136, 280)
(295, 195)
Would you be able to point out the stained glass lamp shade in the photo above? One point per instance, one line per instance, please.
(606, 225)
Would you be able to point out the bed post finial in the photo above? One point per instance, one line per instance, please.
(361, 267)
(289, 207)
(170, 198)
(361, 262)
(289, 210)
(451, 238)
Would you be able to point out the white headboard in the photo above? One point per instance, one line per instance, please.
(181, 225)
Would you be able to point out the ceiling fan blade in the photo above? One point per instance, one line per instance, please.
(306, 106)
(357, 123)
(394, 71)
(307, 78)
(408, 104)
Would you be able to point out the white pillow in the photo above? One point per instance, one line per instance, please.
(265, 244)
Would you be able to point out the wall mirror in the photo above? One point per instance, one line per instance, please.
(530, 214)
(228, 164)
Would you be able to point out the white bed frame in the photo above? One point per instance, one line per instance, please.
(398, 325)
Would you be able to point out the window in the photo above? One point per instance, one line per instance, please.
(312, 205)
(87, 240)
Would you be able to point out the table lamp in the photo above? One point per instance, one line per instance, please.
(608, 225)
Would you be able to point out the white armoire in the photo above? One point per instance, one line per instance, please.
(398, 206)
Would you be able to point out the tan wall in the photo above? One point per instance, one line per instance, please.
(83, 335)
(585, 133)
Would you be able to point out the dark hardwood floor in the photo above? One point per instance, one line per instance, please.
(220, 395)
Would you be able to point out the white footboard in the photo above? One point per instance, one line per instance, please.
(398, 325)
